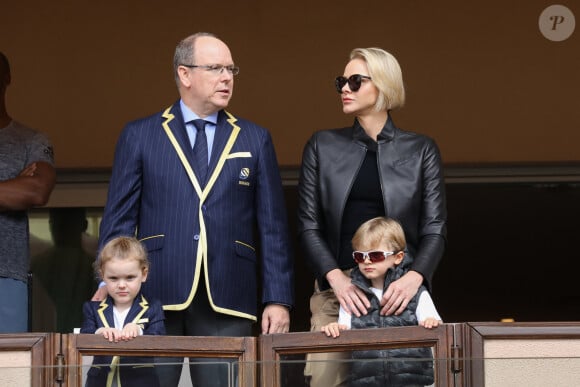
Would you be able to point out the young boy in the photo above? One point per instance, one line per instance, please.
(379, 246)
(123, 315)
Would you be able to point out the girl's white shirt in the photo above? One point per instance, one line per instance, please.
(120, 317)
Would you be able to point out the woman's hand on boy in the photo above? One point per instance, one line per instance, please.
(351, 298)
(400, 292)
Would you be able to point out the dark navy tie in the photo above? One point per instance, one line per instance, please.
(200, 150)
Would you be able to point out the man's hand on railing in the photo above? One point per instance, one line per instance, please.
(275, 319)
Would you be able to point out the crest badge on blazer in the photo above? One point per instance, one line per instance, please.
(244, 175)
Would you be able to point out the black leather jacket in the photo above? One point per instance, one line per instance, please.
(413, 189)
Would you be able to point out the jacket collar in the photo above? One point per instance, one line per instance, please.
(138, 308)
(386, 134)
(225, 137)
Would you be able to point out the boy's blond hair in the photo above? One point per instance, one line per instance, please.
(379, 230)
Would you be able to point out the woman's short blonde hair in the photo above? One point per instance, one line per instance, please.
(385, 74)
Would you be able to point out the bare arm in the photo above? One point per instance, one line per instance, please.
(31, 188)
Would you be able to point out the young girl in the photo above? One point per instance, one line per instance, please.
(125, 314)
(379, 246)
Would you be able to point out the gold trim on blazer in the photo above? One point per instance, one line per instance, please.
(102, 306)
(114, 372)
(201, 257)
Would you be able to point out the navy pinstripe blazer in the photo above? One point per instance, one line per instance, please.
(193, 228)
(129, 371)
(148, 315)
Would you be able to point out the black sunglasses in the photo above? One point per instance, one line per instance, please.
(374, 256)
(354, 82)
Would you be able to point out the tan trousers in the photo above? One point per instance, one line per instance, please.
(325, 369)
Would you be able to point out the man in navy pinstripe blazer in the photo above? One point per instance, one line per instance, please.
(200, 232)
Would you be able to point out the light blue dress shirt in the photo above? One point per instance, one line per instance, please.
(210, 126)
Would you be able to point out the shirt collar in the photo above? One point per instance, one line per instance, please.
(189, 115)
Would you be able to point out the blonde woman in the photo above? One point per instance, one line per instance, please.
(353, 174)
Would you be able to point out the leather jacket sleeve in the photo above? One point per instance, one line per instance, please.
(431, 248)
(433, 216)
(310, 225)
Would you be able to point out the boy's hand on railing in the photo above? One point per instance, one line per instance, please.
(430, 322)
(333, 329)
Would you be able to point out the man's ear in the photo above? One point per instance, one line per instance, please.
(182, 73)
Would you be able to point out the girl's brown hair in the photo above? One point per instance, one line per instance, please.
(122, 248)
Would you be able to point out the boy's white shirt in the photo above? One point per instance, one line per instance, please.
(425, 308)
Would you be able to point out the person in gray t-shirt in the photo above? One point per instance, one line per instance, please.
(27, 177)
